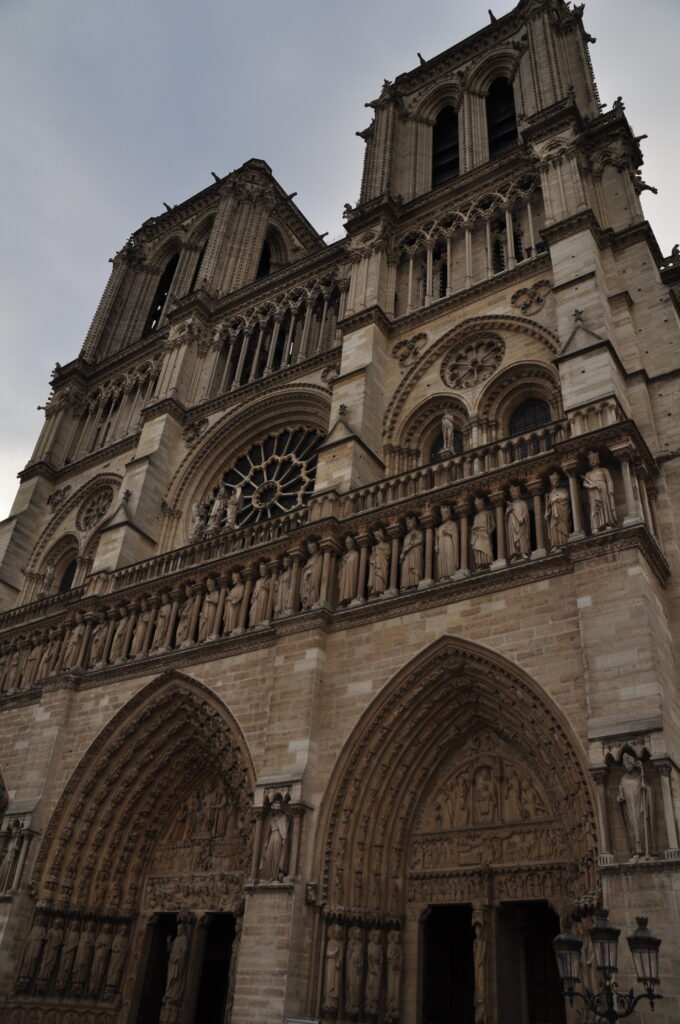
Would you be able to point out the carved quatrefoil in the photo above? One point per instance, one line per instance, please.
(470, 366)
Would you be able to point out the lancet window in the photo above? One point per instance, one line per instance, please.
(161, 295)
(501, 119)
(445, 155)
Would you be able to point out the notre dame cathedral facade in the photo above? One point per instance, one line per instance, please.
(337, 657)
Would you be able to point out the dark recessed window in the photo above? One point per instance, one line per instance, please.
(161, 294)
(67, 578)
(530, 415)
(445, 159)
(500, 117)
(265, 265)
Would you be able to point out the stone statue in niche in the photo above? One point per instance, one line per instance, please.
(353, 965)
(310, 585)
(141, 626)
(332, 968)
(174, 985)
(557, 512)
(206, 619)
(114, 974)
(517, 525)
(83, 960)
(600, 488)
(48, 579)
(411, 557)
(374, 963)
(53, 944)
(234, 507)
(13, 670)
(73, 642)
(479, 947)
(348, 573)
(483, 527)
(260, 598)
(10, 857)
(184, 621)
(448, 427)
(275, 842)
(33, 660)
(162, 619)
(200, 513)
(530, 800)
(446, 544)
(32, 953)
(68, 955)
(282, 595)
(485, 796)
(512, 810)
(217, 510)
(118, 642)
(49, 656)
(394, 961)
(102, 947)
(379, 564)
(634, 797)
(461, 801)
(232, 603)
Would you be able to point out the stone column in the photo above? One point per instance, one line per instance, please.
(245, 341)
(90, 619)
(665, 769)
(570, 467)
(256, 357)
(154, 604)
(509, 240)
(273, 567)
(463, 510)
(427, 520)
(624, 456)
(535, 489)
(600, 775)
(428, 273)
(468, 256)
(364, 541)
(176, 596)
(111, 614)
(331, 549)
(393, 531)
(197, 590)
(272, 344)
(498, 501)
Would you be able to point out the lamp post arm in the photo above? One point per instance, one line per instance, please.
(610, 1005)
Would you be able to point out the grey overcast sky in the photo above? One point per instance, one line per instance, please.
(111, 108)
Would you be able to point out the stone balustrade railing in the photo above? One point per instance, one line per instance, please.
(512, 515)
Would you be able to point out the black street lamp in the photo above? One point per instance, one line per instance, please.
(609, 1004)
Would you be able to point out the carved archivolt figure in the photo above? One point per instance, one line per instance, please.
(53, 944)
(394, 959)
(217, 509)
(33, 952)
(531, 802)
(461, 801)
(81, 967)
(634, 799)
(119, 948)
(374, 962)
(310, 586)
(99, 961)
(411, 557)
(557, 511)
(97, 643)
(11, 857)
(349, 571)
(511, 796)
(282, 595)
(354, 963)
(379, 564)
(479, 958)
(483, 527)
(517, 525)
(232, 604)
(200, 514)
(75, 639)
(275, 846)
(118, 642)
(184, 620)
(162, 619)
(141, 626)
(234, 506)
(68, 955)
(206, 619)
(600, 487)
(333, 968)
(260, 598)
(485, 795)
(178, 948)
(446, 544)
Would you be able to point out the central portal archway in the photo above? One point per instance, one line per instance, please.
(461, 792)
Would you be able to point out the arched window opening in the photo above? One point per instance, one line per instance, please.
(500, 118)
(161, 294)
(530, 415)
(498, 256)
(437, 452)
(445, 157)
(197, 268)
(265, 265)
(68, 575)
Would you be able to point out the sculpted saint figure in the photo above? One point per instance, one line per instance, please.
(349, 571)
(48, 580)
(13, 671)
(600, 487)
(446, 544)
(10, 857)
(479, 958)
(282, 595)
(333, 968)
(217, 509)
(162, 620)
(68, 954)
(517, 525)
(81, 967)
(200, 514)
(461, 802)
(232, 604)
(206, 619)
(141, 626)
(483, 526)
(530, 800)
(374, 962)
(635, 803)
(485, 795)
(178, 948)
(184, 620)
(53, 944)
(98, 643)
(260, 598)
(33, 660)
(118, 642)
(310, 585)
(511, 798)
(234, 506)
(447, 433)
(354, 963)
(275, 846)
(102, 948)
(411, 557)
(73, 642)
(49, 656)
(394, 958)
(33, 952)
(379, 564)
(114, 974)
(557, 510)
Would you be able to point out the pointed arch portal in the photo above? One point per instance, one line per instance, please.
(460, 807)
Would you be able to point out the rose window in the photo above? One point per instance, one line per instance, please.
(92, 510)
(473, 364)
(275, 476)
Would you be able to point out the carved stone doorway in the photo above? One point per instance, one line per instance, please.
(526, 975)
(448, 969)
(161, 933)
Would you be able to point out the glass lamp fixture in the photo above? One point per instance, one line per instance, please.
(567, 948)
(605, 939)
(644, 948)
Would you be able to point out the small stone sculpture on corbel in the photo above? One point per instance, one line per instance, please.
(635, 800)
(275, 838)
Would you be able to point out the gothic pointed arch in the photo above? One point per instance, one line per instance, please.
(388, 834)
(518, 383)
(419, 434)
(502, 62)
(123, 798)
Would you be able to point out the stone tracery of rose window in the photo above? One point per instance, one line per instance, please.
(473, 364)
(276, 475)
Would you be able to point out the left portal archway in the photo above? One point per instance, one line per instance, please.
(152, 830)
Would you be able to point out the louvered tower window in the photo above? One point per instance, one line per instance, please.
(161, 294)
(445, 158)
(500, 117)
